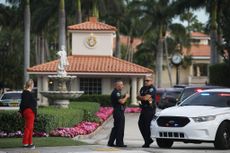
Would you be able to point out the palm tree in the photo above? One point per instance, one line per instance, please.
(115, 15)
(27, 24)
(212, 8)
(78, 11)
(62, 26)
(26, 39)
(157, 15)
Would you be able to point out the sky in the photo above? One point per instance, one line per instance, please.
(202, 16)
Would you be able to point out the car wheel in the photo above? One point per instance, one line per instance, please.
(164, 143)
(222, 140)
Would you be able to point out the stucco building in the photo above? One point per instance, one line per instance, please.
(92, 61)
(197, 72)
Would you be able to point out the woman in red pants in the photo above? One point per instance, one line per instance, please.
(28, 109)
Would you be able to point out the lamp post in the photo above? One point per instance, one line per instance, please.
(177, 61)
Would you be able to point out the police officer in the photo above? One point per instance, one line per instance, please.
(147, 98)
(118, 102)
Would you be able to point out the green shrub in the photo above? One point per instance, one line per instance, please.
(88, 106)
(11, 121)
(90, 117)
(49, 118)
(220, 74)
(103, 100)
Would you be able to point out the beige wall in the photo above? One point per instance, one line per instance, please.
(183, 76)
(186, 75)
(103, 46)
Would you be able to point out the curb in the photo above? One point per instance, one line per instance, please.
(94, 132)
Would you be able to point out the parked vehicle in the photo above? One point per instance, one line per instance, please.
(11, 98)
(188, 91)
(180, 86)
(169, 97)
(159, 93)
(202, 117)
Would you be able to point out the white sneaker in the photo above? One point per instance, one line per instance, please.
(32, 146)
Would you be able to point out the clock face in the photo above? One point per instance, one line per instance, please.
(176, 59)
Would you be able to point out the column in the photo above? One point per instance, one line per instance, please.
(39, 88)
(140, 84)
(134, 91)
(44, 88)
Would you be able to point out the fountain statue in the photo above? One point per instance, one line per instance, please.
(60, 96)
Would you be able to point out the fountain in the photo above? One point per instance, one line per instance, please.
(60, 96)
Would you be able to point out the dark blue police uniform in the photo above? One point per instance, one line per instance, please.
(117, 132)
(147, 113)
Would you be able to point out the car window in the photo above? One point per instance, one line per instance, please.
(186, 93)
(173, 94)
(216, 99)
(11, 96)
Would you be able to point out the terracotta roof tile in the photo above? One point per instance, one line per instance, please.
(92, 25)
(198, 34)
(93, 64)
(198, 50)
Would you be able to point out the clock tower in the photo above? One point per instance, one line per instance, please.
(92, 38)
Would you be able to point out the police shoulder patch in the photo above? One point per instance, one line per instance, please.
(151, 90)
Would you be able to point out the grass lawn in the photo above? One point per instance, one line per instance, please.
(39, 142)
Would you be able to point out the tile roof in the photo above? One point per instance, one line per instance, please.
(92, 25)
(198, 50)
(198, 34)
(93, 64)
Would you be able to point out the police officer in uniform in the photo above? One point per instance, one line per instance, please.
(147, 98)
(118, 102)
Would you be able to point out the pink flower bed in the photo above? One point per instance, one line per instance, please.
(84, 128)
(104, 113)
(132, 110)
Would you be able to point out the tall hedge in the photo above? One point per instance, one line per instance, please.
(220, 74)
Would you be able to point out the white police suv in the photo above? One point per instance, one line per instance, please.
(202, 117)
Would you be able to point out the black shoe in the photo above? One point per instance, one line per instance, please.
(121, 146)
(111, 145)
(25, 146)
(145, 146)
(151, 141)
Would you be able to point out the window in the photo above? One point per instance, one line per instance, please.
(200, 69)
(195, 41)
(90, 85)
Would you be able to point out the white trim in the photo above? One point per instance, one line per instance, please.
(87, 31)
(98, 74)
(201, 37)
(200, 57)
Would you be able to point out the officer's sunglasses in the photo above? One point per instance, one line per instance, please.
(147, 80)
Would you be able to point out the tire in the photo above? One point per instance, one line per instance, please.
(164, 143)
(222, 140)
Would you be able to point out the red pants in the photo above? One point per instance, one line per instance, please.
(28, 115)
